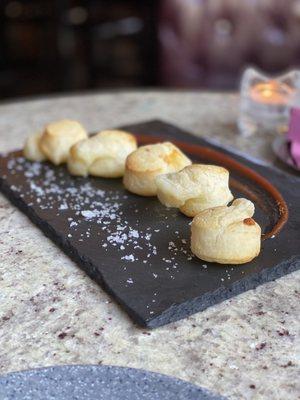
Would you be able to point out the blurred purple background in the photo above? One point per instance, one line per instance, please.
(64, 45)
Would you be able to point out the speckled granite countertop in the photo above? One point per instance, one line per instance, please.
(51, 313)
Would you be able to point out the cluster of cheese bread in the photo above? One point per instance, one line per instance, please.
(67, 141)
(227, 235)
(220, 233)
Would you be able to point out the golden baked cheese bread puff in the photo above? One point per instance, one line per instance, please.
(226, 235)
(102, 155)
(58, 137)
(195, 188)
(147, 162)
(32, 149)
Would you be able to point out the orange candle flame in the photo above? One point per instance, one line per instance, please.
(271, 92)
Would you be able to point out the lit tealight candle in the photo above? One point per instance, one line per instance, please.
(265, 101)
(272, 93)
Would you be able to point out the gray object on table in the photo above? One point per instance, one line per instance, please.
(90, 382)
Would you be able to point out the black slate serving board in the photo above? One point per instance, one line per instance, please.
(137, 249)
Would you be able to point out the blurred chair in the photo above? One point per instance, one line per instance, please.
(207, 43)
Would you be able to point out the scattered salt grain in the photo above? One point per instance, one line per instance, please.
(88, 214)
(128, 258)
(134, 233)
